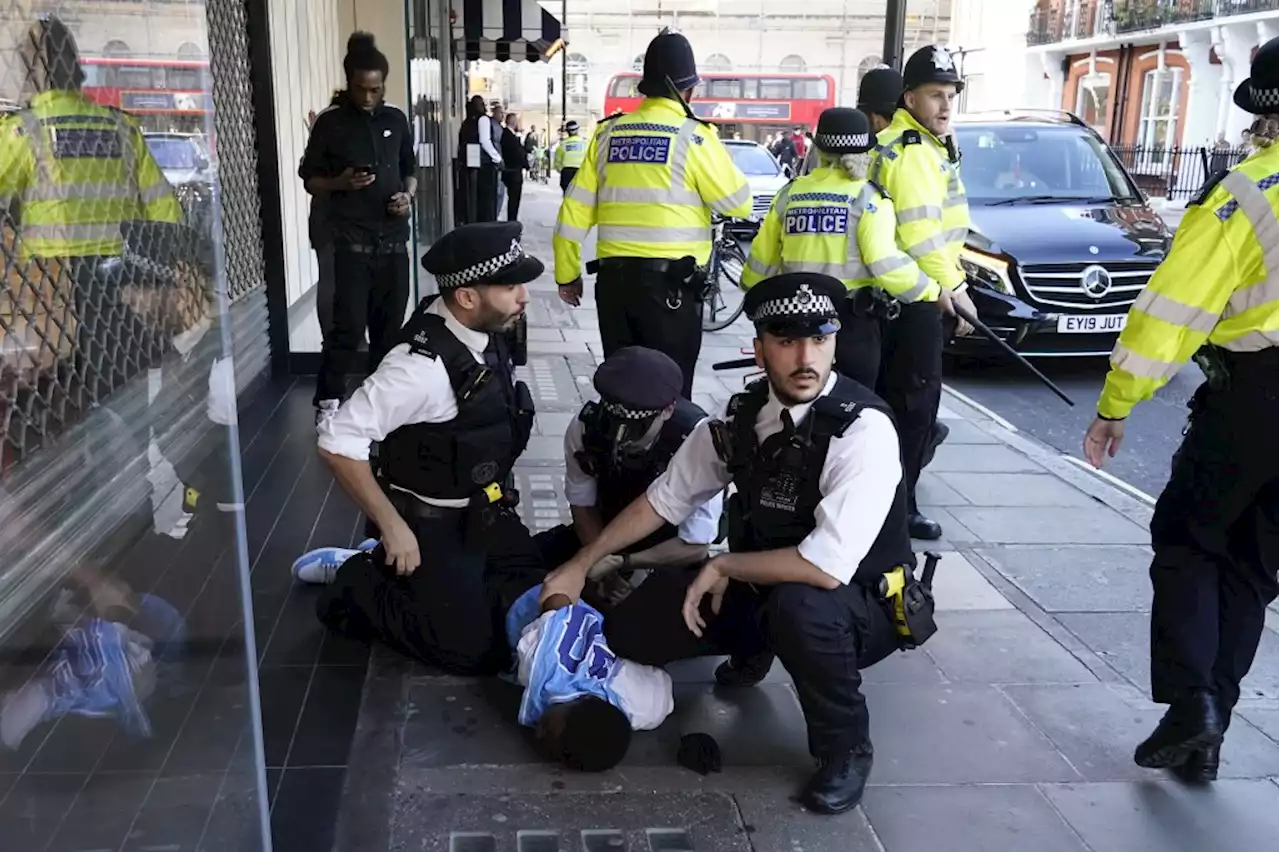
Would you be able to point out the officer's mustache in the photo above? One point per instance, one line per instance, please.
(804, 373)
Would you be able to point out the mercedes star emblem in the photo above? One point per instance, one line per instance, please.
(1095, 281)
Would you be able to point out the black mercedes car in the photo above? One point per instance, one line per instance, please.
(1062, 239)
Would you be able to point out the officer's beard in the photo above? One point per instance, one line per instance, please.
(495, 321)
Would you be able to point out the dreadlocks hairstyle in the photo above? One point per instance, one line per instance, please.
(363, 55)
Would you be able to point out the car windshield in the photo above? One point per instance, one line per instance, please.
(173, 153)
(1011, 164)
(753, 160)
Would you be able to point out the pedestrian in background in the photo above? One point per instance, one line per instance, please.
(514, 160)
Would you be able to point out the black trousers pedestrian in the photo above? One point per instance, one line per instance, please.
(515, 188)
(371, 291)
(325, 287)
(858, 345)
(635, 309)
(911, 383)
(566, 177)
(451, 611)
(821, 637)
(1215, 541)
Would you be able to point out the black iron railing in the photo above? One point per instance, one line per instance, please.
(1103, 17)
(1175, 172)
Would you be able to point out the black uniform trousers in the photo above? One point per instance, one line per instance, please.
(566, 177)
(635, 308)
(451, 611)
(910, 382)
(371, 290)
(821, 637)
(858, 344)
(1215, 541)
(514, 181)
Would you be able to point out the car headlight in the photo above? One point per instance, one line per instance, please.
(990, 272)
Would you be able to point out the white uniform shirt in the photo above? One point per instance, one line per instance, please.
(858, 482)
(701, 526)
(405, 389)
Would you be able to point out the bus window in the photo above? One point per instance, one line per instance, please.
(730, 88)
(775, 88)
(811, 90)
(751, 88)
(624, 87)
(133, 77)
(184, 78)
(94, 75)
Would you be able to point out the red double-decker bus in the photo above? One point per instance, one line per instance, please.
(170, 95)
(753, 105)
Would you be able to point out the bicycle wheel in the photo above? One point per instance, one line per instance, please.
(724, 300)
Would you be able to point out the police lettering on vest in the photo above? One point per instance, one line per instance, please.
(816, 220)
(639, 149)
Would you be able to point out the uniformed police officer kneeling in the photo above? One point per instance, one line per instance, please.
(819, 520)
(452, 421)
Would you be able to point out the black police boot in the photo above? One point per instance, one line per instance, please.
(937, 435)
(744, 671)
(839, 782)
(923, 528)
(1201, 766)
(1191, 724)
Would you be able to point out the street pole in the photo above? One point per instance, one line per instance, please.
(895, 30)
(564, 66)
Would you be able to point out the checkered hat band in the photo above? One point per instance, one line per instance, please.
(812, 306)
(1265, 97)
(622, 412)
(482, 270)
(843, 140)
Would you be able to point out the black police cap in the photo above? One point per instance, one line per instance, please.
(639, 382)
(669, 56)
(930, 64)
(798, 304)
(879, 90)
(481, 253)
(842, 130)
(1260, 94)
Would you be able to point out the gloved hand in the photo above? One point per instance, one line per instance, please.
(699, 752)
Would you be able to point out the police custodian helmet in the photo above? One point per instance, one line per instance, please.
(930, 64)
(669, 57)
(842, 130)
(1260, 94)
(796, 304)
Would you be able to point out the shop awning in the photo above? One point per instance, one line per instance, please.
(502, 30)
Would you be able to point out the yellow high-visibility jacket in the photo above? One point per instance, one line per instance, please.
(1220, 282)
(648, 185)
(570, 153)
(77, 170)
(933, 214)
(827, 222)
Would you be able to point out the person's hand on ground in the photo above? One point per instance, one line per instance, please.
(1103, 440)
(571, 293)
(708, 582)
(401, 547)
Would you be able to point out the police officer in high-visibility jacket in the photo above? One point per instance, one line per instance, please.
(836, 222)
(649, 184)
(74, 171)
(917, 162)
(570, 154)
(1214, 535)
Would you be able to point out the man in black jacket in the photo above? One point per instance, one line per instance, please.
(514, 161)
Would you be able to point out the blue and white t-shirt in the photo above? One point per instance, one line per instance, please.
(562, 655)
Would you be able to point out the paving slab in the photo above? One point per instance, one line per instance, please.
(988, 818)
(1170, 817)
(1001, 647)
(1014, 489)
(933, 490)
(1097, 728)
(980, 458)
(776, 824)
(954, 533)
(554, 423)
(957, 585)
(964, 432)
(956, 734)
(1265, 719)
(1064, 525)
(1086, 578)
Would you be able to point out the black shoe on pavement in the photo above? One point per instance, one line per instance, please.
(923, 528)
(744, 671)
(1190, 725)
(1201, 766)
(937, 435)
(839, 782)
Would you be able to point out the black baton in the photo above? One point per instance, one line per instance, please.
(734, 365)
(1011, 352)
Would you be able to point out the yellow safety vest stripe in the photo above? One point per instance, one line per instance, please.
(863, 254)
(1219, 284)
(932, 207)
(655, 199)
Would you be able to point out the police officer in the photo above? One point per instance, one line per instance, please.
(817, 521)
(73, 173)
(878, 94)
(570, 154)
(614, 450)
(836, 222)
(361, 154)
(452, 421)
(917, 162)
(649, 183)
(1214, 526)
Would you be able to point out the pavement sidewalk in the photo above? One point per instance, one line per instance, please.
(1013, 728)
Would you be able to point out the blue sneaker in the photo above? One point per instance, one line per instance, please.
(320, 565)
(367, 545)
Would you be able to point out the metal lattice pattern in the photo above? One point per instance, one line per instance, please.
(111, 221)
